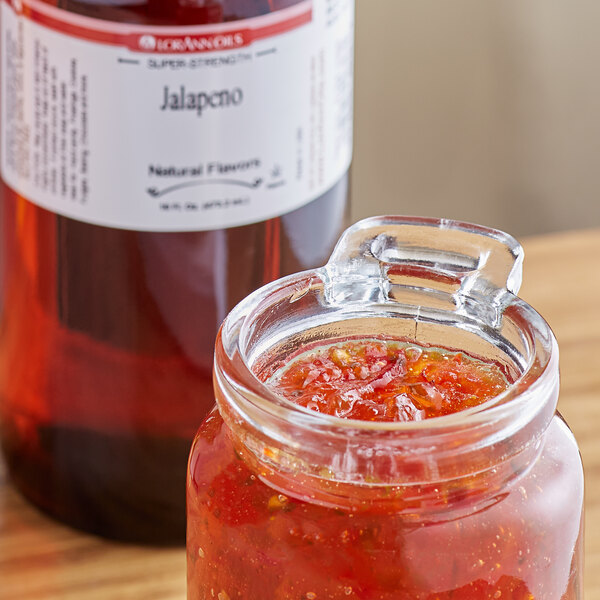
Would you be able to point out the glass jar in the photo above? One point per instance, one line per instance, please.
(285, 502)
(168, 211)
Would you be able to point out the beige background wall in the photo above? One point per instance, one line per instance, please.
(483, 110)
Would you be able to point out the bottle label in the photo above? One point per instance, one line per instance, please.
(175, 128)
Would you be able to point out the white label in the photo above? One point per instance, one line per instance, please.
(176, 128)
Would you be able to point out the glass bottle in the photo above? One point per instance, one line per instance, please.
(284, 501)
(118, 268)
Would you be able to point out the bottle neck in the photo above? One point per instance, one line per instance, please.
(434, 283)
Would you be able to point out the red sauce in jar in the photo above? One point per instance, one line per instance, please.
(373, 380)
(248, 540)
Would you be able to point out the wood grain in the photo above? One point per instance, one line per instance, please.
(40, 559)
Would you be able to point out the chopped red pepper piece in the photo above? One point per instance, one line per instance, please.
(377, 380)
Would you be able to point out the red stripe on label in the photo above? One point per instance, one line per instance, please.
(71, 29)
(152, 40)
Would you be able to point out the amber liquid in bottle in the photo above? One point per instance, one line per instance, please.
(107, 335)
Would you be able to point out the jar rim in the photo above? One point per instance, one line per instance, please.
(534, 377)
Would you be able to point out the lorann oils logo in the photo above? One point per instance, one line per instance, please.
(192, 43)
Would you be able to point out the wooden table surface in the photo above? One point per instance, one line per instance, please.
(40, 559)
